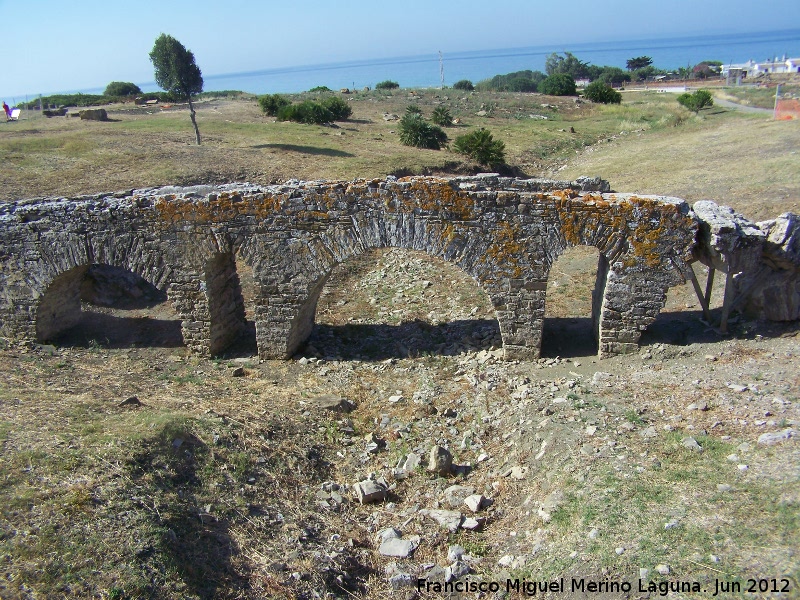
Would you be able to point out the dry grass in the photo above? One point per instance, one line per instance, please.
(744, 161)
(98, 501)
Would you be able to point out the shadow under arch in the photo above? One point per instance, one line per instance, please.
(398, 303)
(106, 305)
(575, 289)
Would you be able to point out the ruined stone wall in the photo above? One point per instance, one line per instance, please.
(504, 232)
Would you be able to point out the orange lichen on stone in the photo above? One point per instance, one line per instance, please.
(436, 196)
(505, 250)
(221, 209)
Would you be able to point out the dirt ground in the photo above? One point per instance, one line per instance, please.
(135, 470)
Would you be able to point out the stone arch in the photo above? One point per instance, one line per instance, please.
(397, 303)
(57, 288)
(294, 273)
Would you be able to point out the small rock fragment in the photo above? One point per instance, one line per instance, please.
(369, 491)
(474, 502)
(441, 461)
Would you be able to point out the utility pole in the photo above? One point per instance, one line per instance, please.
(441, 71)
(777, 95)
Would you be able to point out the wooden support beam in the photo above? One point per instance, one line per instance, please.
(727, 303)
(699, 292)
(709, 284)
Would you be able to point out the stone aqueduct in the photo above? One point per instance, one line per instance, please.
(506, 233)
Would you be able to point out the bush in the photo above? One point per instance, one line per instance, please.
(387, 85)
(481, 147)
(272, 103)
(696, 101)
(415, 131)
(597, 91)
(413, 109)
(340, 109)
(558, 84)
(518, 81)
(321, 88)
(122, 88)
(308, 112)
(464, 84)
(442, 117)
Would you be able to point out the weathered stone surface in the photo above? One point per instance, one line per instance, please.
(369, 491)
(333, 403)
(455, 494)
(440, 461)
(769, 439)
(761, 260)
(777, 295)
(94, 114)
(504, 232)
(449, 519)
(398, 547)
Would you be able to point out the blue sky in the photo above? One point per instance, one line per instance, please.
(51, 46)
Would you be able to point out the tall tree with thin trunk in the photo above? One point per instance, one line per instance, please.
(176, 72)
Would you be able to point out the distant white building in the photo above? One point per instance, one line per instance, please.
(756, 69)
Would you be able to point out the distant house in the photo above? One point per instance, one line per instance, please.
(767, 67)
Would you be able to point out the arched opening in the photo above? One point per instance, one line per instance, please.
(396, 303)
(106, 306)
(245, 344)
(226, 306)
(575, 288)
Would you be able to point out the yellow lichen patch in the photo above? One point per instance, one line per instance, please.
(435, 196)
(505, 250)
(221, 209)
(312, 215)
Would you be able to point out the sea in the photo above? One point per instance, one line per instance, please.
(425, 70)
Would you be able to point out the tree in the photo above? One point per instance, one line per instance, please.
(387, 85)
(464, 84)
(559, 84)
(612, 76)
(597, 91)
(639, 62)
(696, 101)
(569, 64)
(707, 68)
(176, 72)
(121, 88)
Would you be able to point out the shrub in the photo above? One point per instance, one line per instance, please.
(122, 88)
(697, 100)
(415, 131)
(340, 109)
(518, 81)
(558, 84)
(522, 84)
(272, 103)
(308, 112)
(442, 117)
(597, 91)
(481, 147)
(464, 84)
(387, 85)
(321, 88)
(413, 109)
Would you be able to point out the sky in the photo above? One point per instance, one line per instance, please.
(51, 46)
